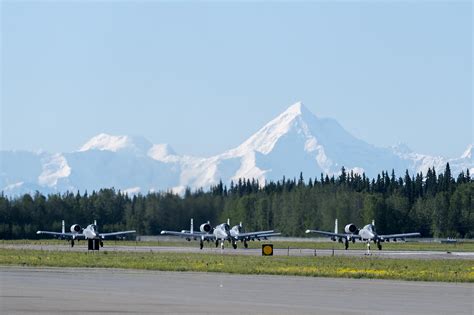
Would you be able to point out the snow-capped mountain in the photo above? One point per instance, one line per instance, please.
(295, 141)
(105, 142)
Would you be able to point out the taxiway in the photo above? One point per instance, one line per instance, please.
(109, 246)
(98, 291)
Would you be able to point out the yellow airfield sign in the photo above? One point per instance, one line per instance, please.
(267, 249)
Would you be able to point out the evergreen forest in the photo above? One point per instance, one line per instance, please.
(436, 205)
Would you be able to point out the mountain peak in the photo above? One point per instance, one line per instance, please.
(296, 109)
(106, 142)
(265, 139)
(161, 151)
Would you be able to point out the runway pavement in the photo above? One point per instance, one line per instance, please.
(82, 246)
(116, 291)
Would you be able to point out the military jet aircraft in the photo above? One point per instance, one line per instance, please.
(88, 233)
(367, 234)
(238, 234)
(220, 233)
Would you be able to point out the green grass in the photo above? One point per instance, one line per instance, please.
(415, 246)
(346, 267)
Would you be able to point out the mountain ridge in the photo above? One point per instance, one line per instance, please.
(295, 141)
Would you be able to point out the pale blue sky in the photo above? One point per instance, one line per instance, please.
(203, 77)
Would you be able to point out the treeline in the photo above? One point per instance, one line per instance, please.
(437, 205)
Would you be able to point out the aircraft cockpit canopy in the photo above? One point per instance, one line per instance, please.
(370, 228)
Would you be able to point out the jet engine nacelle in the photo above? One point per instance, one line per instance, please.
(351, 229)
(76, 228)
(237, 228)
(206, 227)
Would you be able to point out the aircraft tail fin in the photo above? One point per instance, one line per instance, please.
(335, 227)
(63, 227)
(192, 226)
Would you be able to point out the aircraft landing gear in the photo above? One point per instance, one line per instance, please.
(234, 245)
(101, 244)
(246, 245)
(72, 243)
(222, 245)
(379, 245)
(346, 244)
(217, 243)
(368, 248)
(201, 244)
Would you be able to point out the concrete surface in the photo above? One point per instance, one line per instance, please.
(116, 291)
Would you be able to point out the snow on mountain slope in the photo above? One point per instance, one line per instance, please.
(295, 141)
(95, 169)
(265, 139)
(162, 152)
(55, 167)
(464, 162)
(105, 142)
(468, 153)
(422, 162)
(298, 141)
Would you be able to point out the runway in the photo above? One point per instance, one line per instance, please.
(82, 247)
(99, 291)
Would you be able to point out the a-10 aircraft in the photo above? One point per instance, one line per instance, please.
(367, 233)
(88, 233)
(221, 233)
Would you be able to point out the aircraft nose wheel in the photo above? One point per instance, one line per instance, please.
(201, 244)
(368, 249)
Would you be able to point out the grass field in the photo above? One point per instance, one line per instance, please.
(415, 246)
(347, 267)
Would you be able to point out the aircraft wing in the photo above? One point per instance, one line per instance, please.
(258, 234)
(254, 234)
(195, 232)
(196, 235)
(62, 235)
(331, 234)
(269, 234)
(104, 235)
(402, 235)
